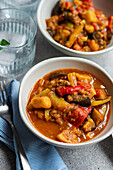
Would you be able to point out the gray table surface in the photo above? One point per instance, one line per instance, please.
(93, 157)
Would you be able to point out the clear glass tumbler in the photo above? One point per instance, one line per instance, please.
(19, 29)
(29, 6)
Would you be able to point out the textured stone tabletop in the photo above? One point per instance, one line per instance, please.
(93, 157)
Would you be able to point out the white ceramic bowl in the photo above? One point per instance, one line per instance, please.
(44, 12)
(42, 68)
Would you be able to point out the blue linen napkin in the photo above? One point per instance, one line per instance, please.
(41, 155)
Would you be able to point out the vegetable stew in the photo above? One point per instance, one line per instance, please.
(80, 26)
(69, 105)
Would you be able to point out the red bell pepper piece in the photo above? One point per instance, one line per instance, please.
(79, 115)
(110, 23)
(68, 90)
(67, 4)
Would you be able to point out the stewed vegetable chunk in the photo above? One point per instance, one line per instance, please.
(89, 125)
(97, 117)
(67, 136)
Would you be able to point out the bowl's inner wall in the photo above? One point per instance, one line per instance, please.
(105, 6)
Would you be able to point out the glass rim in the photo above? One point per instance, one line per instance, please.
(34, 34)
(30, 4)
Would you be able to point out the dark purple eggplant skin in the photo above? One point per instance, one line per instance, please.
(57, 75)
(86, 102)
(57, 9)
(82, 101)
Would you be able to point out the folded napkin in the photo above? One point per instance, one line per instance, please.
(41, 155)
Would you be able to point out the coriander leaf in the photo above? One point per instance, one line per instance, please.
(4, 42)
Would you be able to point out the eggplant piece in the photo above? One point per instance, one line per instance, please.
(50, 32)
(109, 35)
(68, 16)
(81, 100)
(57, 9)
(57, 75)
(96, 35)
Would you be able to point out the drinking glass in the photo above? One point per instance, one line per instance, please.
(19, 29)
(29, 6)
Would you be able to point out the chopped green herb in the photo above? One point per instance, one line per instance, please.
(4, 42)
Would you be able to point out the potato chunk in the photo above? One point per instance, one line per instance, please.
(97, 117)
(90, 16)
(67, 136)
(40, 102)
(72, 79)
(92, 92)
(89, 125)
(93, 44)
(83, 77)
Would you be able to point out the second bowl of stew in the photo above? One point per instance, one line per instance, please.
(67, 101)
(77, 27)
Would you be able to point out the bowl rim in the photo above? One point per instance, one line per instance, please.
(51, 40)
(34, 24)
(33, 129)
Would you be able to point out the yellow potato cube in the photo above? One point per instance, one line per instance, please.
(90, 16)
(83, 77)
(41, 102)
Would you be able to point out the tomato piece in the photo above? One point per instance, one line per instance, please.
(68, 4)
(89, 2)
(73, 10)
(79, 115)
(98, 92)
(110, 23)
(80, 35)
